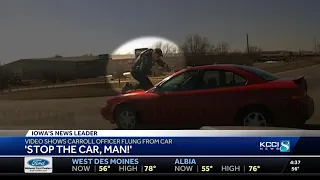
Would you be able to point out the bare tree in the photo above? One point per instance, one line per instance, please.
(222, 47)
(167, 48)
(197, 45)
(237, 51)
(254, 49)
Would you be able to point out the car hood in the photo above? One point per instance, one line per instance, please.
(132, 93)
(129, 95)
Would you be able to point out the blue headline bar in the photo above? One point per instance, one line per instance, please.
(160, 146)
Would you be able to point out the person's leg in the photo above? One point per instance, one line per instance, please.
(137, 77)
(145, 82)
(149, 83)
(134, 75)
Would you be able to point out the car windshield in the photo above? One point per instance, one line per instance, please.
(259, 72)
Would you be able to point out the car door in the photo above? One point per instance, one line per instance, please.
(220, 93)
(177, 104)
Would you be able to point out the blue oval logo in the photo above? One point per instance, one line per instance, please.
(38, 162)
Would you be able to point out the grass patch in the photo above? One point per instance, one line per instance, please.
(92, 90)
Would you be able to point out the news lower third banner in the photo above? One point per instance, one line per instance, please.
(181, 142)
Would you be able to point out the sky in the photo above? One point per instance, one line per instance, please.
(43, 28)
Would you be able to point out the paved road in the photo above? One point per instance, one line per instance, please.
(83, 113)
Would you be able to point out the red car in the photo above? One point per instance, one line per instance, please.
(214, 95)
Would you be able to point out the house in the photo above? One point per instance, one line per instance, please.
(64, 67)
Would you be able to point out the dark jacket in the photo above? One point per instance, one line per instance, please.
(144, 63)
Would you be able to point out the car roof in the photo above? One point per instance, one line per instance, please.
(229, 67)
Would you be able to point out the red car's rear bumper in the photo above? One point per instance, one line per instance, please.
(297, 112)
(305, 109)
(301, 110)
(107, 113)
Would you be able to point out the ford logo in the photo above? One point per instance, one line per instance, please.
(38, 162)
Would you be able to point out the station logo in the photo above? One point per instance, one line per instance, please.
(282, 146)
(38, 164)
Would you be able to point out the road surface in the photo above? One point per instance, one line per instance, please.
(83, 113)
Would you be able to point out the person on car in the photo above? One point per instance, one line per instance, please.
(142, 68)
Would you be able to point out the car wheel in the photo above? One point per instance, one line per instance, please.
(126, 118)
(254, 117)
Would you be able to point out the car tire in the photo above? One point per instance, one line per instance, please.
(254, 116)
(126, 117)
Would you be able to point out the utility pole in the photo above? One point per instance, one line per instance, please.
(248, 49)
(315, 44)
